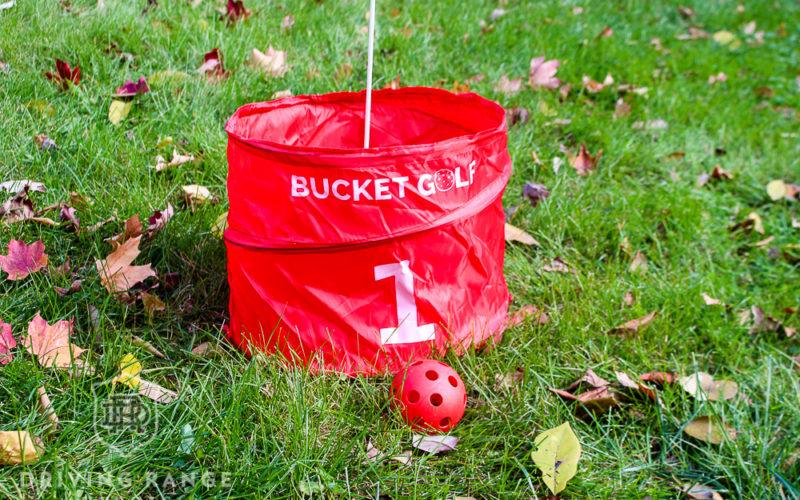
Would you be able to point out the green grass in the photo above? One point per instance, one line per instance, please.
(314, 430)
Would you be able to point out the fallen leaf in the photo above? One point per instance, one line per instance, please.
(44, 143)
(557, 453)
(46, 408)
(235, 11)
(343, 72)
(628, 300)
(116, 272)
(591, 378)
(177, 160)
(766, 241)
(660, 378)
(133, 228)
(156, 392)
(594, 87)
(605, 33)
(633, 326)
(221, 224)
(74, 287)
(152, 304)
(272, 62)
(51, 343)
(137, 341)
(372, 452)
(535, 193)
(434, 444)
(7, 342)
(513, 233)
(159, 219)
(762, 322)
(403, 457)
(212, 66)
(650, 125)
(196, 193)
(23, 259)
(710, 430)
(509, 380)
(281, 94)
(685, 12)
(129, 370)
(700, 491)
(716, 173)
(629, 383)
(596, 401)
(208, 350)
(710, 301)
(526, 312)
(778, 189)
(621, 109)
(64, 75)
(17, 208)
(639, 263)
(17, 186)
(758, 225)
(542, 74)
(286, 23)
(584, 162)
(557, 162)
(718, 78)
(118, 111)
(17, 447)
(727, 39)
(557, 265)
(702, 386)
(131, 89)
(506, 86)
(514, 115)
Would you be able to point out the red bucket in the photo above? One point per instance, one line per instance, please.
(362, 260)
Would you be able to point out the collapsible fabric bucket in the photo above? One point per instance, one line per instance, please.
(362, 260)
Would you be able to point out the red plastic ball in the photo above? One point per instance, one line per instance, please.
(430, 395)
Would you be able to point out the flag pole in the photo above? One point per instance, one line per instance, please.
(370, 44)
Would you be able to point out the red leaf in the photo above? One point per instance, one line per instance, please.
(584, 162)
(131, 89)
(7, 343)
(212, 66)
(23, 259)
(65, 74)
(236, 11)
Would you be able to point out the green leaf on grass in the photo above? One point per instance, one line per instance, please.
(557, 454)
(119, 110)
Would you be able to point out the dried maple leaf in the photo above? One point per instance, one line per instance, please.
(584, 163)
(528, 311)
(17, 208)
(542, 73)
(629, 299)
(68, 214)
(639, 263)
(694, 33)
(506, 86)
(718, 78)
(434, 444)
(286, 23)
(597, 401)
(64, 75)
(159, 219)
(116, 272)
(133, 228)
(130, 89)
(7, 343)
(591, 378)
(212, 66)
(74, 287)
(716, 173)
(516, 115)
(513, 233)
(272, 62)
(633, 326)
(236, 11)
(177, 160)
(51, 343)
(535, 193)
(152, 304)
(509, 380)
(593, 87)
(23, 259)
(557, 265)
(661, 378)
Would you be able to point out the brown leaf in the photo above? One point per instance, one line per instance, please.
(710, 430)
(152, 304)
(528, 312)
(506, 86)
(594, 87)
(17, 208)
(177, 160)
(513, 233)
(146, 345)
(515, 115)
(509, 380)
(718, 78)
(286, 23)
(74, 287)
(208, 350)
(51, 344)
(629, 383)
(639, 263)
(434, 444)
(710, 301)
(695, 33)
(156, 392)
(605, 33)
(116, 272)
(46, 408)
(133, 228)
(633, 326)
(557, 265)
(716, 173)
(212, 67)
(23, 259)
(403, 457)
(685, 12)
(700, 491)
(762, 322)
(17, 447)
(597, 401)
(535, 193)
(159, 219)
(584, 162)
(702, 386)
(343, 72)
(628, 300)
(622, 109)
(272, 62)
(591, 378)
(660, 378)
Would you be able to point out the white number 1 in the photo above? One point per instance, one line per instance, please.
(407, 331)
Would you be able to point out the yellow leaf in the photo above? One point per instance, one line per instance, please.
(41, 106)
(166, 78)
(129, 369)
(17, 447)
(727, 39)
(710, 430)
(557, 455)
(119, 110)
(166, 141)
(513, 233)
(221, 224)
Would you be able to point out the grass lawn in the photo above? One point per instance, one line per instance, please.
(256, 430)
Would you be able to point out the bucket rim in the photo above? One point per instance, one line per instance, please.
(349, 96)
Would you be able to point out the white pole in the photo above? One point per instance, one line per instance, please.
(370, 44)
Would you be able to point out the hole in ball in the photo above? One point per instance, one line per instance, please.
(436, 399)
(431, 374)
(413, 397)
(443, 423)
(452, 381)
